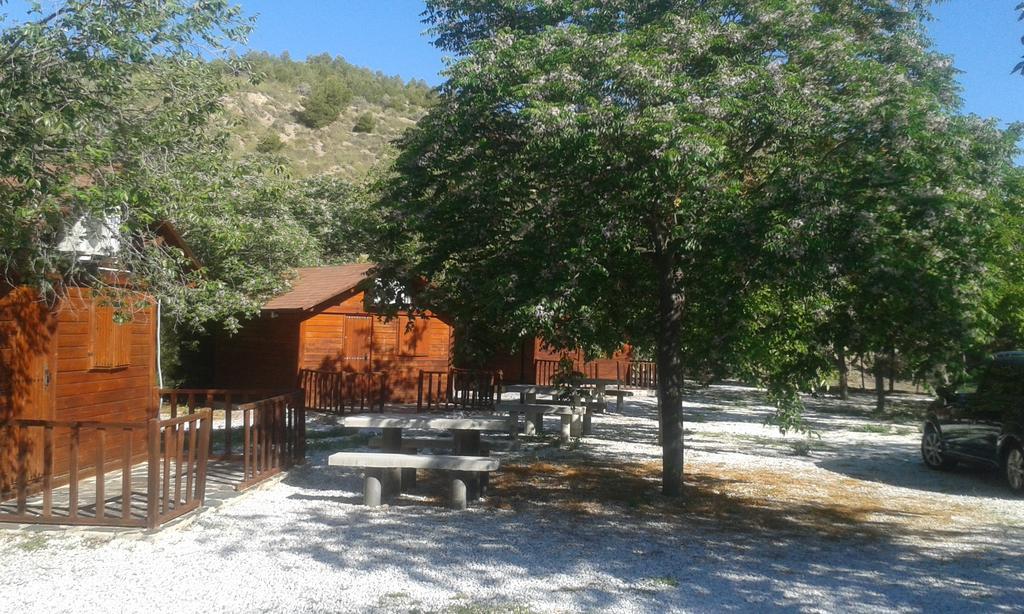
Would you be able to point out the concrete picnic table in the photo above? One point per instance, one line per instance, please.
(465, 428)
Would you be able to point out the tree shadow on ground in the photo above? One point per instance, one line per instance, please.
(600, 537)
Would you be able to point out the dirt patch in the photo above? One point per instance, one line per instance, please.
(725, 496)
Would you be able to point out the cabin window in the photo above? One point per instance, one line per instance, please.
(110, 338)
(412, 337)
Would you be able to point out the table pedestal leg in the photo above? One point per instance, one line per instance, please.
(576, 425)
(538, 424)
(372, 489)
(588, 427)
(458, 494)
(529, 428)
(467, 443)
(566, 429)
(391, 441)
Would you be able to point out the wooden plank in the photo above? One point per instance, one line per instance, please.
(227, 424)
(73, 474)
(23, 459)
(192, 436)
(246, 443)
(179, 443)
(166, 479)
(47, 470)
(205, 428)
(126, 473)
(153, 475)
(101, 499)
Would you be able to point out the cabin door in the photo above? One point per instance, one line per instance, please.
(358, 331)
(27, 383)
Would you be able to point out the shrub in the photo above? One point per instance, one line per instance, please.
(270, 143)
(365, 123)
(325, 102)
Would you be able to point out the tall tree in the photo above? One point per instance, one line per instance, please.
(663, 172)
(101, 100)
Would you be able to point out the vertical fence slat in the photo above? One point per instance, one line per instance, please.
(189, 494)
(48, 470)
(73, 473)
(126, 473)
(247, 443)
(101, 474)
(179, 442)
(153, 474)
(22, 462)
(165, 481)
(227, 425)
(205, 426)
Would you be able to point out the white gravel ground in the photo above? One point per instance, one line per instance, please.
(305, 544)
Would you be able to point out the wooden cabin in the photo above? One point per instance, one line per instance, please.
(79, 359)
(73, 361)
(327, 322)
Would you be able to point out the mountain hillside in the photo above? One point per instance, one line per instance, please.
(268, 116)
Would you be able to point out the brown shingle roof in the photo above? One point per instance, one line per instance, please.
(315, 285)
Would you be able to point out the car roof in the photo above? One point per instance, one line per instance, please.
(1015, 357)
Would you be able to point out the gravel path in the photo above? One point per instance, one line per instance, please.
(856, 524)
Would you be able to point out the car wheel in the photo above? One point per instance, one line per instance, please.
(1015, 468)
(933, 450)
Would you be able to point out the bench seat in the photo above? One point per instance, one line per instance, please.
(463, 469)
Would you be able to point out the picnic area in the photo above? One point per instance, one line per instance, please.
(764, 525)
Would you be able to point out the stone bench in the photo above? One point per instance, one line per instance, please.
(413, 445)
(619, 395)
(463, 471)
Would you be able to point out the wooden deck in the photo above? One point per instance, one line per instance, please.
(221, 479)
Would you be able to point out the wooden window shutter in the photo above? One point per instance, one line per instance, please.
(110, 341)
(413, 339)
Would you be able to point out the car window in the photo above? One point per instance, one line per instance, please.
(1000, 383)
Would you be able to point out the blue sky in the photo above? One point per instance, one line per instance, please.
(983, 36)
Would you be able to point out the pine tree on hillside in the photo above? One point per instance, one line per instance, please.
(325, 102)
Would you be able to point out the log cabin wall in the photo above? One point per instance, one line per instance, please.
(263, 354)
(72, 362)
(344, 336)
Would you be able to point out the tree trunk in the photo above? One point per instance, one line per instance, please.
(879, 387)
(670, 367)
(892, 370)
(844, 373)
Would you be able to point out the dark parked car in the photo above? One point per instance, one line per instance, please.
(985, 427)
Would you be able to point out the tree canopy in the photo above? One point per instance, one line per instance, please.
(110, 114)
(711, 180)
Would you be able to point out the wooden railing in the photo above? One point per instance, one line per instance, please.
(260, 416)
(341, 393)
(171, 453)
(472, 388)
(457, 388)
(641, 374)
(182, 441)
(546, 371)
(187, 401)
(274, 436)
(432, 390)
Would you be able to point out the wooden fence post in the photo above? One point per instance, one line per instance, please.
(153, 475)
